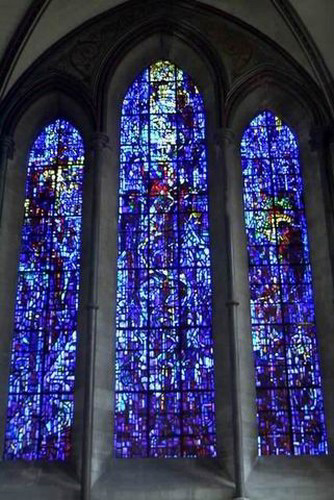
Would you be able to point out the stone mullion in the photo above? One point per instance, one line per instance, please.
(226, 142)
(99, 144)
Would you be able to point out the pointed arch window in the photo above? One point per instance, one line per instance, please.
(290, 407)
(164, 358)
(41, 381)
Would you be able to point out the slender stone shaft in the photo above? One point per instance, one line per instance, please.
(226, 140)
(98, 145)
(6, 152)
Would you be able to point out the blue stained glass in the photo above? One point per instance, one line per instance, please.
(41, 381)
(164, 354)
(290, 406)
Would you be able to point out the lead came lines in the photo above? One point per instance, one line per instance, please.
(170, 359)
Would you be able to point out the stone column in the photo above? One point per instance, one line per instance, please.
(6, 153)
(330, 208)
(225, 139)
(318, 175)
(99, 143)
(220, 322)
(321, 143)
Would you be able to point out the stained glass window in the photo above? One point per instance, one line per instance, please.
(290, 407)
(41, 381)
(164, 361)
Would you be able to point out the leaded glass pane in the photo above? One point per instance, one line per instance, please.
(164, 355)
(290, 406)
(41, 381)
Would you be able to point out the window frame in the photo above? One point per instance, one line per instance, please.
(39, 113)
(156, 47)
(295, 113)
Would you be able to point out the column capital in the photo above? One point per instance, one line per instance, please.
(321, 136)
(225, 136)
(99, 141)
(7, 146)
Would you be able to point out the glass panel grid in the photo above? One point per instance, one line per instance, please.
(41, 381)
(164, 356)
(288, 382)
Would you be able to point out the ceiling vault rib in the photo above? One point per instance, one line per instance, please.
(306, 42)
(19, 40)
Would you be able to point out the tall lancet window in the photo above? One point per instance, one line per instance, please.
(41, 382)
(291, 418)
(164, 359)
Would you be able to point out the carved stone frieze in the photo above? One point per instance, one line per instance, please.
(80, 58)
(82, 52)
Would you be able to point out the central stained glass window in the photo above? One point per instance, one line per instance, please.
(164, 356)
(290, 405)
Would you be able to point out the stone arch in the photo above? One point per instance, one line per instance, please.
(140, 55)
(40, 112)
(301, 117)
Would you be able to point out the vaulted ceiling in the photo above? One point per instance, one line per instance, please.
(304, 28)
